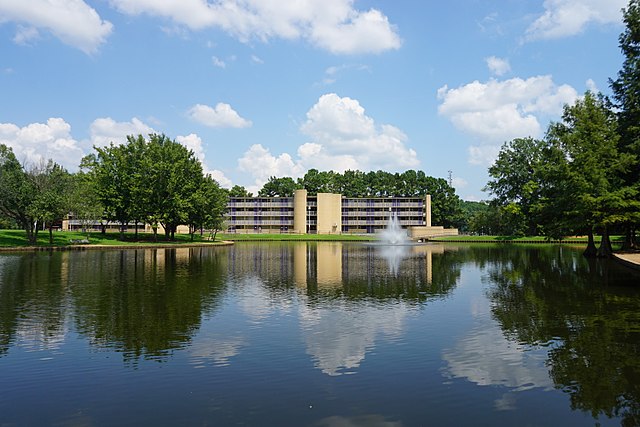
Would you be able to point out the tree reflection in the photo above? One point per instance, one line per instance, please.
(587, 312)
(32, 300)
(146, 303)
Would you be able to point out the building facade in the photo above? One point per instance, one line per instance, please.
(324, 213)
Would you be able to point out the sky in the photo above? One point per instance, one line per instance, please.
(260, 88)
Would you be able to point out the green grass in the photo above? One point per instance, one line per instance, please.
(295, 237)
(516, 239)
(17, 238)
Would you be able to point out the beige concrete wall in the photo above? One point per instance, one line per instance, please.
(421, 232)
(428, 210)
(329, 213)
(300, 211)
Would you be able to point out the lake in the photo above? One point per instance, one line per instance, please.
(319, 334)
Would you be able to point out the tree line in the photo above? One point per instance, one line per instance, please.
(583, 176)
(156, 181)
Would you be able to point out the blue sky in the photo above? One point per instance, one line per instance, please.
(271, 87)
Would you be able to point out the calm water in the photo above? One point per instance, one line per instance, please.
(325, 334)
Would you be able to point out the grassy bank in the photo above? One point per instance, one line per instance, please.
(296, 237)
(17, 238)
(520, 239)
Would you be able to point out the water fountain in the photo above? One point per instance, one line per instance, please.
(394, 240)
(394, 234)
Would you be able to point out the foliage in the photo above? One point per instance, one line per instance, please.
(239, 191)
(16, 193)
(446, 205)
(278, 187)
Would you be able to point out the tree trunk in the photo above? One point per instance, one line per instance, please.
(136, 226)
(122, 231)
(155, 234)
(591, 250)
(605, 250)
(629, 243)
(51, 234)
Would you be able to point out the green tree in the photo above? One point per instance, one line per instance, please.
(625, 93)
(207, 207)
(172, 173)
(588, 136)
(317, 182)
(16, 193)
(239, 191)
(278, 187)
(51, 203)
(114, 177)
(84, 202)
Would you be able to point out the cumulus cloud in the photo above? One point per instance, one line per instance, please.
(38, 142)
(334, 25)
(339, 127)
(563, 18)
(194, 143)
(105, 130)
(220, 116)
(74, 22)
(498, 66)
(261, 164)
(498, 111)
(342, 137)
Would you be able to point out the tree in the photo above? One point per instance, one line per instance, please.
(114, 178)
(625, 93)
(316, 182)
(278, 187)
(172, 173)
(239, 191)
(16, 193)
(515, 178)
(84, 202)
(588, 136)
(51, 183)
(207, 207)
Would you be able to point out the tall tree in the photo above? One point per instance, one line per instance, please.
(626, 88)
(515, 179)
(278, 187)
(51, 183)
(207, 207)
(588, 135)
(239, 191)
(16, 193)
(172, 173)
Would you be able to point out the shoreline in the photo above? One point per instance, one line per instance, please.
(106, 247)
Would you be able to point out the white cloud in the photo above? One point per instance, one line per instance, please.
(497, 111)
(74, 22)
(220, 116)
(498, 66)
(342, 137)
(459, 183)
(334, 25)
(194, 143)
(218, 62)
(261, 164)
(256, 59)
(42, 141)
(483, 155)
(221, 178)
(340, 127)
(563, 18)
(25, 35)
(105, 130)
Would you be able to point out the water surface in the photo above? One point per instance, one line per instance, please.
(319, 334)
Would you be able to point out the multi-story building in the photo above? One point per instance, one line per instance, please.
(327, 213)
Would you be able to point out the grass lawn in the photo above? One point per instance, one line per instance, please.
(516, 239)
(17, 238)
(295, 237)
